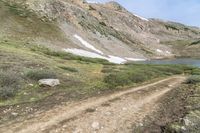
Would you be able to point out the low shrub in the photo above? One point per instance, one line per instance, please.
(138, 77)
(40, 74)
(7, 92)
(70, 69)
(138, 73)
(8, 79)
(115, 80)
(195, 72)
(173, 69)
(9, 84)
(194, 79)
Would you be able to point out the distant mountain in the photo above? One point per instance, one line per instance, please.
(95, 30)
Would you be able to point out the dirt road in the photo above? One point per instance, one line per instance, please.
(116, 112)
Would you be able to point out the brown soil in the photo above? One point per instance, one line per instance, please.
(114, 113)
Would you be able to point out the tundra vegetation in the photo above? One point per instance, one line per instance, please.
(22, 65)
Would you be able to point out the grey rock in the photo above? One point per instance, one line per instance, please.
(49, 82)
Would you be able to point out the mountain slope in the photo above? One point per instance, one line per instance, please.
(106, 31)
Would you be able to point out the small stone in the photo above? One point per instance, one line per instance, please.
(141, 124)
(96, 125)
(14, 114)
(77, 131)
(124, 109)
(64, 126)
(107, 113)
(183, 128)
(30, 84)
(187, 122)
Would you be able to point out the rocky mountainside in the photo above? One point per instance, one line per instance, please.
(106, 31)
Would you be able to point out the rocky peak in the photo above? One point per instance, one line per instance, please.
(115, 6)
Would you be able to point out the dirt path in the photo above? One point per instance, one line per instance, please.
(107, 114)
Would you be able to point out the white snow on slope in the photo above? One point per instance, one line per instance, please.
(141, 17)
(116, 60)
(80, 52)
(159, 51)
(168, 52)
(84, 53)
(135, 59)
(92, 2)
(163, 52)
(86, 44)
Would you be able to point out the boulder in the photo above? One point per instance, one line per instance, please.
(49, 82)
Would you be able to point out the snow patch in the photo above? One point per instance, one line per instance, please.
(86, 44)
(141, 17)
(80, 52)
(159, 51)
(84, 53)
(168, 52)
(135, 59)
(116, 60)
(92, 2)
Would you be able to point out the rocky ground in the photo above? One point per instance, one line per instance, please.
(178, 112)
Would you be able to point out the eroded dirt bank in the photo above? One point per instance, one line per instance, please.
(178, 112)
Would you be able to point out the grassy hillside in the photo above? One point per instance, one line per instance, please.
(20, 23)
(185, 48)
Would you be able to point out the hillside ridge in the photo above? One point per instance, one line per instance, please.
(107, 31)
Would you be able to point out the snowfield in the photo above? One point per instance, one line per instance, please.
(97, 53)
(84, 53)
(86, 44)
(159, 51)
(110, 58)
(116, 60)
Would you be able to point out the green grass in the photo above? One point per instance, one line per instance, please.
(23, 24)
(70, 69)
(79, 76)
(195, 42)
(134, 73)
(194, 79)
(195, 71)
(40, 74)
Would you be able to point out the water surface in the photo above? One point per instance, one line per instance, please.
(184, 61)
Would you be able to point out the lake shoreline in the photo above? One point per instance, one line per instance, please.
(174, 61)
